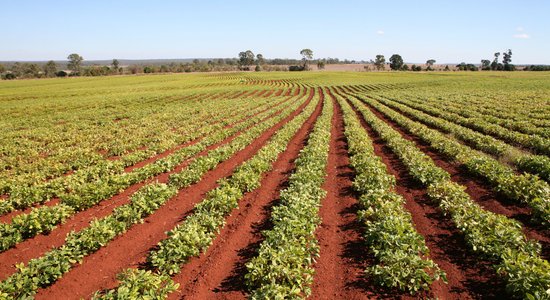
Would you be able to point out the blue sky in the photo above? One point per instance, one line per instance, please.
(445, 30)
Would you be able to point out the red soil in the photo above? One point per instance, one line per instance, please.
(7, 218)
(479, 190)
(339, 270)
(469, 277)
(219, 272)
(38, 245)
(99, 269)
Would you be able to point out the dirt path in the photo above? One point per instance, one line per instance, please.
(99, 270)
(468, 276)
(40, 244)
(219, 272)
(479, 190)
(339, 270)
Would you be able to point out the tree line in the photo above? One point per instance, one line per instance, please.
(245, 61)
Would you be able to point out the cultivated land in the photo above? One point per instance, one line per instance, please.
(234, 185)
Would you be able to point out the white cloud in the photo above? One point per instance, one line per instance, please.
(519, 29)
(380, 32)
(522, 36)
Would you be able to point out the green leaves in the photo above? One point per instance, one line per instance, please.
(400, 250)
(138, 284)
(282, 269)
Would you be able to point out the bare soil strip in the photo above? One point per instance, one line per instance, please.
(99, 270)
(40, 244)
(469, 277)
(339, 270)
(479, 190)
(219, 272)
(7, 218)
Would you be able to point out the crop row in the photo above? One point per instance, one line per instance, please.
(484, 115)
(535, 164)
(86, 194)
(45, 270)
(198, 230)
(524, 188)
(537, 143)
(23, 193)
(493, 236)
(283, 266)
(401, 251)
(45, 152)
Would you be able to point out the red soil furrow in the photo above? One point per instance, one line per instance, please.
(279, 92)
(469, 277)
(38, 245)
(339, 270)
(219, 272)
(7, 218)
(99, 269)
(479, 190)
(261, 93)
(269, 93)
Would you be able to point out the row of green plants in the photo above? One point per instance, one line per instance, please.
(23, 193)
(45, 149)
(535, 164)
(197, 232)
(41, 152)
(85, 195)
(45, 270)
(283, 268)
(525, 188)
(537, 143)
(485, 115)
(401, 252)
(494, 237)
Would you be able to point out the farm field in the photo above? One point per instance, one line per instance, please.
(327, 185)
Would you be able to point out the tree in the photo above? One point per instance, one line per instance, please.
(446, 68)
(430, 63)
(380, 62)
(396, 62)
(321, 64)
(506, 60)
(246, 58)
(494, 64)
(485, 64)
(260, 59)
(2, 68)
(115, 65)
(307, 55)
(50, 69)
(74, 62)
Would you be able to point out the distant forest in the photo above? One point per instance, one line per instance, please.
(75, 65)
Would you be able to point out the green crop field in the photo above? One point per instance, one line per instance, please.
(275, 185)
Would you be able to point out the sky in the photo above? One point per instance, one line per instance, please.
(445, 30)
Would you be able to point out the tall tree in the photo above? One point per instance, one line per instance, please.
(494, 64)
(115, 64)
(380, 62)
(321, 64)
(50, 69)
(430, 63)
(307, 55)
(246, 58)
(75, 61)
(260, 59)
(485, 64)
(507, 59)
(396, 62)
(2, 68)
